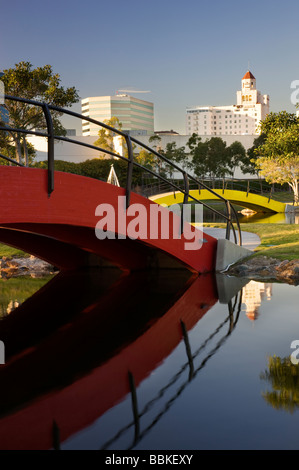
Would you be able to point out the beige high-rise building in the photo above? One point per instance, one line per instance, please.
(135, 115)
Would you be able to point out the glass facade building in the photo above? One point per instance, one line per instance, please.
(135, 115)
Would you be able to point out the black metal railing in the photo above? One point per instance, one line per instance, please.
(231, 215)
(247, 186)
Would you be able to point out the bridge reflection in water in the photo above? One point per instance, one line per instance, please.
(88, 339)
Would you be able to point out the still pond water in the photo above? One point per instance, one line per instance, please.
(161, 360)
(258, 217)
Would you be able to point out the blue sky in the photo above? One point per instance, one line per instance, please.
(186, 53)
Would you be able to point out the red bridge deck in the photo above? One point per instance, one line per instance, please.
(61, 228)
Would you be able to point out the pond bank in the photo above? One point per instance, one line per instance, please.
(24, 266)
(263, 268)
(279, 242)
(260, 268)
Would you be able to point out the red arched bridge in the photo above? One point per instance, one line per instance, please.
(71, 220)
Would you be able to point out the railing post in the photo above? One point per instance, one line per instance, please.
(228, 210)
(188, 350)
(231, 317)
(248, 188)
(270, 195)
(134, 405)
(50, 148)
(56, 436)
(186, 199)
(129, 170)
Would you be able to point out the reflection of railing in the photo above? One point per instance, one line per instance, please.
(230, 216)
(232, 318)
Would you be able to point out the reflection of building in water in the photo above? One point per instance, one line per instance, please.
(252, 296)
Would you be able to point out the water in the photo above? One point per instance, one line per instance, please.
(159, 360)
(258, 217)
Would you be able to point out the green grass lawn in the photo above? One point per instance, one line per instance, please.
(279, 241)
(18, 290)
(283, 196)
(11, 252)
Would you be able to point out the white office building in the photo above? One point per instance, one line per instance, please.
(242, 118)
(135, 115)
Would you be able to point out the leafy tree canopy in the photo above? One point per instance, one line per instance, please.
(40, 84)
(147, 159)
(106, 136)
(193, 141)
(237, 156)
(278, 155)
(176, 155)
(249, 163)
(213, 159)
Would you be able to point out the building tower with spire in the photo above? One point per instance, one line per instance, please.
(242, 118)
(249, 97)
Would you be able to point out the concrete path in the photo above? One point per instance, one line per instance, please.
(249, 240)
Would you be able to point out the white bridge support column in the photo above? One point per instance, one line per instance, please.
(228, 287)
(228, 253)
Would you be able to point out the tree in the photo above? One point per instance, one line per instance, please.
(155, 142)
(277, 122)
(249, 164)
(283, 376)
(174, 154)
(155, 139)
(6, 146)
(237, 156)
(211, 159)
(106, 137)
(40, 84)
(8, 149)
(147, 159)
(278, 156)
(193, 141)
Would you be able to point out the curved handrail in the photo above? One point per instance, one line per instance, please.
(223, 184)
(47, 108)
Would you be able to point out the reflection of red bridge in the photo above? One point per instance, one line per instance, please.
(43, 381)
(61, 228)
